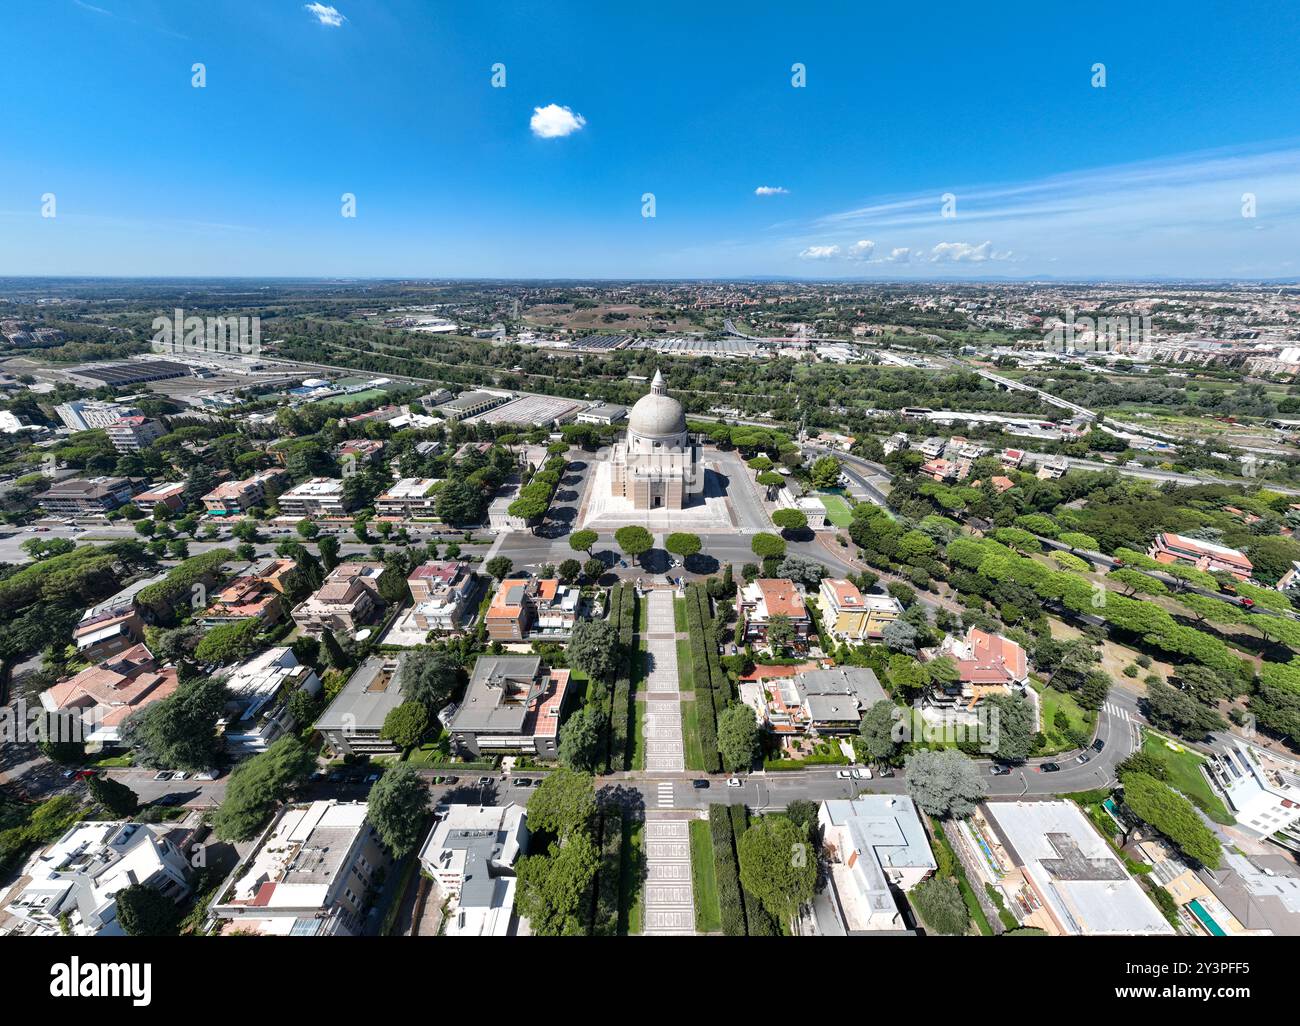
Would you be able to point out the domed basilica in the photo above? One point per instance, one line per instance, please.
(656, 466)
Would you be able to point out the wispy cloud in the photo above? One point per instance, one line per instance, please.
(1180, 216)
(771, 190)
(325, 14)
(555, 122)
(105, 12)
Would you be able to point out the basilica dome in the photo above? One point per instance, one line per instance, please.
(657, 415)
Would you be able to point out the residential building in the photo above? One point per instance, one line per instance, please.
(86, 414)
(347, 600)
(1052, 469)
(113, 625)
(359, 451)
(819, 702)
(766, 597)
(104, 695)
(471, 853)
(131, 434)
(258, 593)
(1012, 458)
(71, 887)
(1171, 548)
(410, 497)
(531, 608)
(931, 448)
(234, 498)
(852, 616)
(512, 706)
(1261, 787)
(353, 721)
(319, 497)
(939, 470)
(987, 664)
(86, 496)
(170, 495)
(442, 593)
(260, 689)
(1056, 872)
(311, 874)
(1289, 579)
(898, 440)
(875, 848)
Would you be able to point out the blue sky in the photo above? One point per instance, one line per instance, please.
(693, 102)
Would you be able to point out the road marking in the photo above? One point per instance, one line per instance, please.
(666, 794)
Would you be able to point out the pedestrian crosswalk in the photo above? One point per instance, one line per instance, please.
(666, 794)
(1119, 712)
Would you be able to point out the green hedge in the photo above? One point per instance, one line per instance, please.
(727, 871)
(167, 595)
(605, 917)
(759, 920)
(707, 674)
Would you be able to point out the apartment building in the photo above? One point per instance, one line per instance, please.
(817, 702)
(313, 873)
(1261, 787)
(71, 887)
(353, 721)
(1202, 555)
(131, 434)
(471, 852)
(259, 594)
(112, 626)
(87, 496)
(875, 846)
(319, 497)
(529, 608)
(347, 600)
(766, 597)
(234, 498)
(87, 414)
(260, 690)
(852, 616)
(512, 706)
(413, 497)
(170, 495)
(104, 695)
(442, 594)
(987, 664)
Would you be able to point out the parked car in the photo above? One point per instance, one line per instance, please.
(1050, 767)
(1083, 757)
(523, 782)
(886, 771)
(700, 784)
(999, 770)
(451, 780)
(733, 782)
(1098, 745)
(211, 774)
(844, 774)
(162, 775)
(180, 775)
(862, 773)
(484, 781)
(372, 778)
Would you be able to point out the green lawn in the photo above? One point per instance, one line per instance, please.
(685, 666)
(353, 397)
(1080, 718)
(837, 509)
(679, 614)
(694, 754)
(708, 913)
(1185, 775)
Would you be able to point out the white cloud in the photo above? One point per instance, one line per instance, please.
(325, 14)
(820, 253)
(771, 190)
(555, 122)
(961, 252)
(900, 255)
(861, 250)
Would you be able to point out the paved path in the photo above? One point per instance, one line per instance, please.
(669, 898)
(664, 751)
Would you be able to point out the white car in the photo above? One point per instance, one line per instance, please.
(862, 773)
(180, 775)
(844, 774)
(733, 782)
(211, 774)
